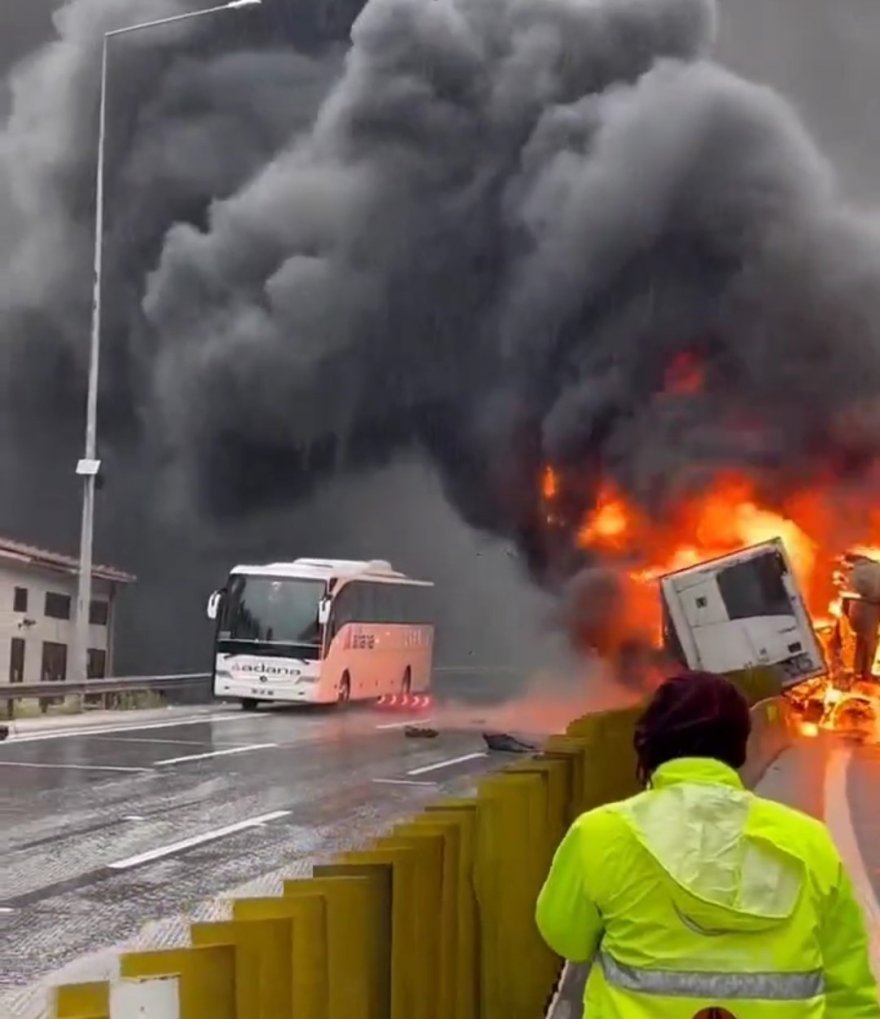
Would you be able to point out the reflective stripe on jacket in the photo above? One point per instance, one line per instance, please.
(698, 894)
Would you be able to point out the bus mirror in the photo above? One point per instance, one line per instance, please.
(324, 611)
(214, 604)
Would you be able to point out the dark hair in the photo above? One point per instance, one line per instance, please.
(694, 714)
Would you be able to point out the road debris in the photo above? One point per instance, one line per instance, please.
(502, 742)
(419, 732)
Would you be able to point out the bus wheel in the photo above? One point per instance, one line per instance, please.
(248, 704)
(344, 695)
(406, 685)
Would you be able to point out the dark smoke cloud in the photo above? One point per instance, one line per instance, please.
(480, 239)
(539, 203)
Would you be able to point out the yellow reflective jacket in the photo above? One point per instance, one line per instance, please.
(697, 894)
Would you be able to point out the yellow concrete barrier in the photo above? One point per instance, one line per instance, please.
(757, 684)
(206, 978)
(462, 815)
(436, 841)
(433, 920)
(83, 1001)
(263, 953)
(403, 974)
(305, 984)
(358, 942)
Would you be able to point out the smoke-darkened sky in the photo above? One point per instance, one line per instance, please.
(825, 57)
(470, 239)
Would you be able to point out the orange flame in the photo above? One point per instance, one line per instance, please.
(817, 525)
(608, 526)
(725, 519)
(549, 484)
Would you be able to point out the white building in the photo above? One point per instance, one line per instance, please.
(37, 611)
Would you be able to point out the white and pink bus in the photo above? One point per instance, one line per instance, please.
(321, 631)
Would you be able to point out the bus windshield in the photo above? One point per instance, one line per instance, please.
(272, 610)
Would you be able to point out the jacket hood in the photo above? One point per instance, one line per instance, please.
(694, 821)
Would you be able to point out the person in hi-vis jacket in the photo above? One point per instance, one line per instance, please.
(696, 897)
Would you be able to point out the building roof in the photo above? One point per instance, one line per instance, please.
(30, 555)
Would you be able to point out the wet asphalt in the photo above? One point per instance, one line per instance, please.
(101, 832)
(863, 790)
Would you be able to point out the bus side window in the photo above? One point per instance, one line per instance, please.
(418, 607)
(342, 607)
(362, 602)
(392, 603)
(378, 603)
(414, 597)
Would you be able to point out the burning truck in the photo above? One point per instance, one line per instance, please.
(745, 582)
(745, 610)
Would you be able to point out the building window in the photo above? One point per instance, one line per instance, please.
(99, 612)
(96, 667)
(54, 662)
(16, 660)
(20, 600)
(57, 605)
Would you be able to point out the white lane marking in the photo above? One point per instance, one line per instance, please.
(172, 742)
(72, 767)
(6, 909)
(403, 725)
(402, 781)
(196, 840)
(446, 764)
(206, 719)
(133, 817)
(217, 753)
(838, 817)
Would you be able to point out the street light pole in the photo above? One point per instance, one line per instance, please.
(89, 466)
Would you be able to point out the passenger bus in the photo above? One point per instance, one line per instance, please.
(321, 631)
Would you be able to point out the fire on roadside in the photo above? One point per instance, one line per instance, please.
(820, 530)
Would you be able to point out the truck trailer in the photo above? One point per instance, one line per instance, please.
(740, 611)
(745, 610)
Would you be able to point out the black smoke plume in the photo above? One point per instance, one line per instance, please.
(478, 234)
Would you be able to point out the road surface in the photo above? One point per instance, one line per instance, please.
(106, 828)
(836, 780)
(112, 827)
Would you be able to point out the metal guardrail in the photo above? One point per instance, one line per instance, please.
(99, 689)
(118, 684)
(102, 688)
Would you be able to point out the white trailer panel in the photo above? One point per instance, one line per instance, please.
(741, 611)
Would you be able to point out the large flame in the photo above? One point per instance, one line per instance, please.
(818, 528)
(820, 522)
(728, 517)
